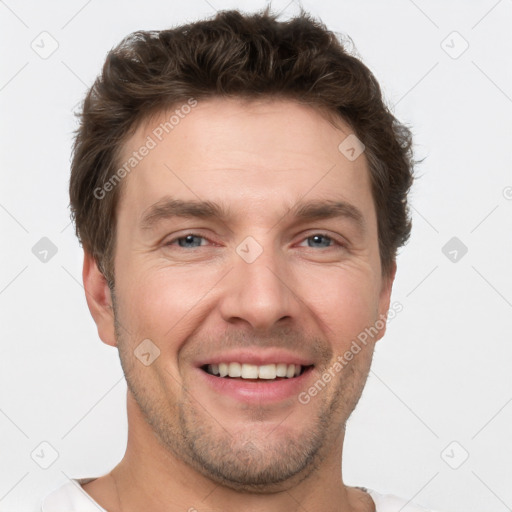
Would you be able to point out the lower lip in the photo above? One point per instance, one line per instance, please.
(259, 391)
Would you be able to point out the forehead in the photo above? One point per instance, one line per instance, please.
(247, 153)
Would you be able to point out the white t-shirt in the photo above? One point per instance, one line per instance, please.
(70, 497)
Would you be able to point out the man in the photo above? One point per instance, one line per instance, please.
(239, 189)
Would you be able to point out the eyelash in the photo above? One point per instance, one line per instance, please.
(325, 235)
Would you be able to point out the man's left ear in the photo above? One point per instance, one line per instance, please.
(385, 297)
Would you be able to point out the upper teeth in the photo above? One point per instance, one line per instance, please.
(252, 371)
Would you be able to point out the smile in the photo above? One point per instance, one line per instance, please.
(271, 371)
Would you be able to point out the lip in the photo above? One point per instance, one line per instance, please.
(257, 392)
(258, 357)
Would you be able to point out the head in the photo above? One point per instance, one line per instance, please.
(239, 188)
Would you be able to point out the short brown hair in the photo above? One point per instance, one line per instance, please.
(234, 55)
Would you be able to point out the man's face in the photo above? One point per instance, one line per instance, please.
(262, 286)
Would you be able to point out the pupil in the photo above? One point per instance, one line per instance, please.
(189, 239)
(318, 238)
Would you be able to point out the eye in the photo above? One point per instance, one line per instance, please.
(325, 241)
(316, 240)
(189, 241)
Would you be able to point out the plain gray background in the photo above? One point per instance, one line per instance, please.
(434, 422)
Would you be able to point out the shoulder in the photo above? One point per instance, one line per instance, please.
(392, 503)
(70, 497)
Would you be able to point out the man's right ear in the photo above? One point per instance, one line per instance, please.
(99, 300)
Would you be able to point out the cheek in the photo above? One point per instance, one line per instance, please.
(161, 302)
(346, 303)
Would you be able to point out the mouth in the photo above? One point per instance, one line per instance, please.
(257, 382)
(251, 372)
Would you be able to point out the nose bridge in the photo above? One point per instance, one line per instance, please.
(259, 290)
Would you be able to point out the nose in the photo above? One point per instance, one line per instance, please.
(259, 292)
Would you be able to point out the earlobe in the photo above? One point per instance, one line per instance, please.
(99, 300)
(385, 298)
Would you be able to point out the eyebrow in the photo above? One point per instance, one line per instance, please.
(168, 208)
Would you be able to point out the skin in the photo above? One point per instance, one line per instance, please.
(188, 447)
